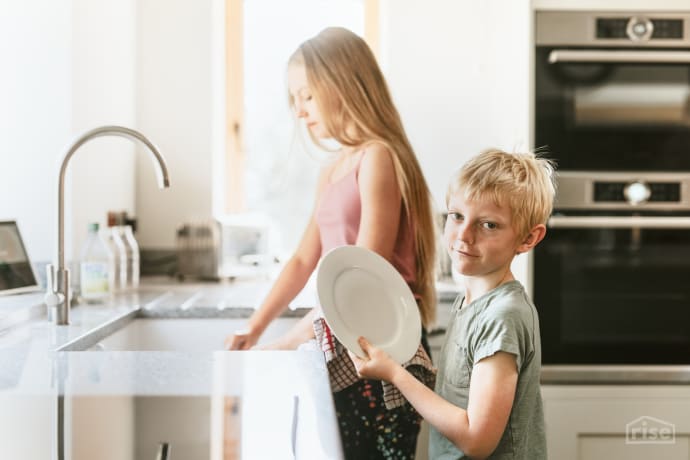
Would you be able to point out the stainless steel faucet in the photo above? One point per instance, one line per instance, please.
(58, 295)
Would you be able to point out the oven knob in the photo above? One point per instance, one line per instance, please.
(639, 29)
(637, 192)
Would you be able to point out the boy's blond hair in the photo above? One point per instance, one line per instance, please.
(522, 181)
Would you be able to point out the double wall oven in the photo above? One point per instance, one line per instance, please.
(612, 107)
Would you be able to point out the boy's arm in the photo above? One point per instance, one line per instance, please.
(477, 430)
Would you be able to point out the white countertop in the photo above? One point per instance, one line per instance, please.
(38, 385)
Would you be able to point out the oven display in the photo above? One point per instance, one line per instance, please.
(617, 28)
(613, 192)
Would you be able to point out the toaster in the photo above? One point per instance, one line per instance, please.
(221, 248)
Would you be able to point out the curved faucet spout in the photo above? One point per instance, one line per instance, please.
(58, 295)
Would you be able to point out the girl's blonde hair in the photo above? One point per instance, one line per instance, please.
(522, 181)
(353, 98)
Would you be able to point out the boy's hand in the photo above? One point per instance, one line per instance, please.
(376, 365)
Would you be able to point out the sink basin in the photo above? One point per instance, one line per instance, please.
(174, 334)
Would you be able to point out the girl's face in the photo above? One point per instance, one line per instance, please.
(479, 236)
(304, 102)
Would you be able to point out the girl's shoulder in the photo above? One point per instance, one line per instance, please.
(377, 156)
(375, 148)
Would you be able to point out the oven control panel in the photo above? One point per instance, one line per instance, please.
(624, 29)
(639, 28)
(622, 191)
(637, 192)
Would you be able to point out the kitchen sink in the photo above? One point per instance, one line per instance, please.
(170, 334)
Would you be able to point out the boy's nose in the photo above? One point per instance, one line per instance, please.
(465, 234)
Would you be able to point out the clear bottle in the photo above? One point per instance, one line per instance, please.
(129, 256)
(133, 259)
(124, 253)
(115, 221)
(96, 268)
(110, 238)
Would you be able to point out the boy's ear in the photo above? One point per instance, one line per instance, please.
(535, 235)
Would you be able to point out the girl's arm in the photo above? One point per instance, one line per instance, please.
(381, 201)
(477, 430)
(290, 282)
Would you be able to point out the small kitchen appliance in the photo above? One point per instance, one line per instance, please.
(228, 247)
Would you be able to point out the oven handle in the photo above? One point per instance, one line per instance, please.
(604, 56)
(618, 222)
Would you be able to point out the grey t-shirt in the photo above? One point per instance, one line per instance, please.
(503, 319)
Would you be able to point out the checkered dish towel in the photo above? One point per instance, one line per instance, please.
(342, 372)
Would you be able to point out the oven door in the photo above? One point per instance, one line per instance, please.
(599, 107)
(614, 290)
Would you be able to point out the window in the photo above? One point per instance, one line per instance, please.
(271, 167)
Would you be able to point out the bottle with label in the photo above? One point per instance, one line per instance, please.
(96, 268)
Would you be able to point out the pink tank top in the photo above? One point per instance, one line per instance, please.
(338, 217)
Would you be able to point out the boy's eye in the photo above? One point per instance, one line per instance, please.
(455, 216)
(489, 225)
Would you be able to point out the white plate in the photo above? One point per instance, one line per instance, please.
(362, 294)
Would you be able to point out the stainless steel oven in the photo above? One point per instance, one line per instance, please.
(613, 90)
(612, 105)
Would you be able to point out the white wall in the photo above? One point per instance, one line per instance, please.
(460, 72)
(35, 115)
(103, 88)
(67, 67)
(175, 108)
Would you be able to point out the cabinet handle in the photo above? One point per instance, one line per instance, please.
(618, 222)
(163, 451)
(604, 56)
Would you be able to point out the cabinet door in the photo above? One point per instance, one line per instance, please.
(617, 422)
(614, 447)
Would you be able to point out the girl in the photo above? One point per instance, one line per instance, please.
(373, 195)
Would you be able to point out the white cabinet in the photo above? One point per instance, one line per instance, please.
(617, 422)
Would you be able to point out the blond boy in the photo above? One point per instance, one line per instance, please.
(487, 402)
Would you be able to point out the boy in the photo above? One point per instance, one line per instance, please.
(487, 401)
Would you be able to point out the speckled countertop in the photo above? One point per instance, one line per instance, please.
(285, 396)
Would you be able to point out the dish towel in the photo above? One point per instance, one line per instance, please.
(342, 372)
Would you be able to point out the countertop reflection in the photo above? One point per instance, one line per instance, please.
(121, 405)
(124, 404)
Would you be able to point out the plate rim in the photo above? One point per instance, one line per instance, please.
(338, 260)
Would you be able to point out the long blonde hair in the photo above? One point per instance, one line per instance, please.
(352, 95)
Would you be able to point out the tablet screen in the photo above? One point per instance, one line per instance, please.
(16, 271)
